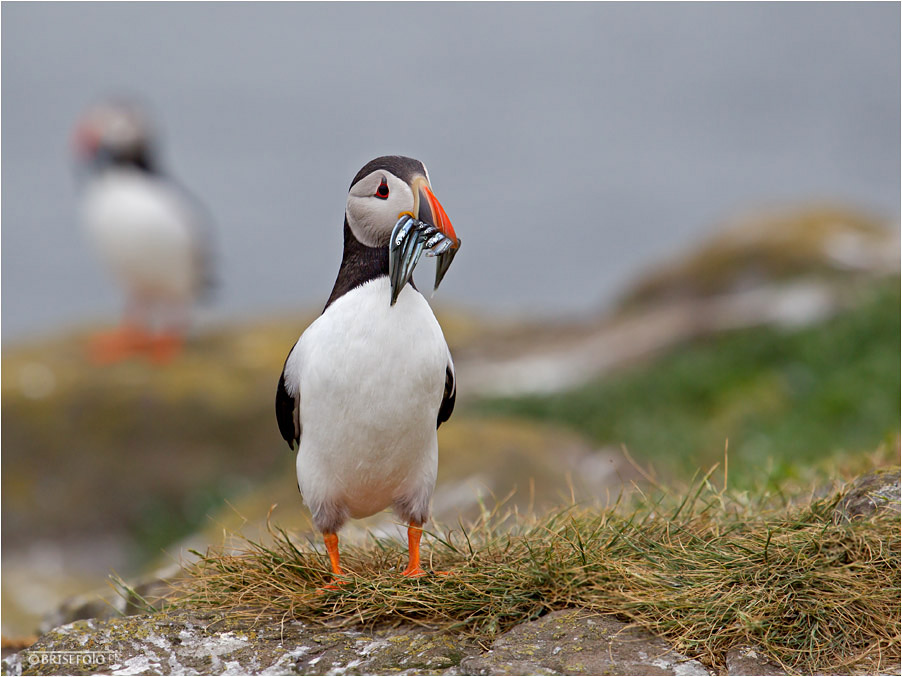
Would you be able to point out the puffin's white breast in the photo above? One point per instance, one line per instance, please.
(142, 229)
(371, 378)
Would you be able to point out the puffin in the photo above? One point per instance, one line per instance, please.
(149, 232)
(366, 386)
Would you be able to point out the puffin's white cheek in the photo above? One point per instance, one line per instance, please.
(400, 203)
(367, 221)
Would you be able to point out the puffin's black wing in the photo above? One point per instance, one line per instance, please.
(288, 413)
(450, 394)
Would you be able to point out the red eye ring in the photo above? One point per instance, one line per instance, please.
(382, 190)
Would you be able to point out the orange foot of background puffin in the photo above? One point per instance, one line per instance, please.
(130, 341)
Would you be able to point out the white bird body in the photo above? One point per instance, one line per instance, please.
(371, 378)
(145, 232)
(366, 386)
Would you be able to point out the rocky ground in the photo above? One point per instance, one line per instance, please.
(184, 643)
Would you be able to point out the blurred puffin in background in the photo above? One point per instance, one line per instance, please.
(150, 233)
(366, 386)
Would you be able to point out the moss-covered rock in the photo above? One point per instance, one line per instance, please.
(872, 492)
(820, 240)
(191, 643)
(579, 643)
(186, 643)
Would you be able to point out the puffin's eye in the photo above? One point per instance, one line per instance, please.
(382, 190)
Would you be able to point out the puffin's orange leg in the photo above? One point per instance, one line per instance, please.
(414, 534)
(331, 541)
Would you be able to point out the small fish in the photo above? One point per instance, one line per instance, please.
(409, 238)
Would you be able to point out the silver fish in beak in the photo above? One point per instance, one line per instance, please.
(412, 235)
(409, 238)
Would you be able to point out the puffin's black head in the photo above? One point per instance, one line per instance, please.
(114, 133)
(386, 188)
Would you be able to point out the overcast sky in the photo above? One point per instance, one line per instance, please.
(572, 145)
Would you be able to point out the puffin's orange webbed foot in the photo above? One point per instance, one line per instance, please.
(336, 584)
(117, 345)
(413, 572)
(164, 348)
(419, 571)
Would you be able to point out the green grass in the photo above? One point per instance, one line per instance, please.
(783, 399)
(707, 570)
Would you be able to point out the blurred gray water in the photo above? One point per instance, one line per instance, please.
(572, 145)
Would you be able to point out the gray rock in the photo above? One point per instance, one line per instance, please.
(870, 493)
(746, 660)
(190, 643)
(579, 643)
(572, 642)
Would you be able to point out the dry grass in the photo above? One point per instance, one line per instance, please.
(708, 571)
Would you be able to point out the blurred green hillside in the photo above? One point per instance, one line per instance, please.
(785, 399)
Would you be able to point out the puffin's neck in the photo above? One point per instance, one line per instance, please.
(359, 265)
(140, 158)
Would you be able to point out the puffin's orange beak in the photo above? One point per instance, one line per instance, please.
(85, 140)
(429, 209)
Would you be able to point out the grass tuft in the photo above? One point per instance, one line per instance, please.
(706, 570)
